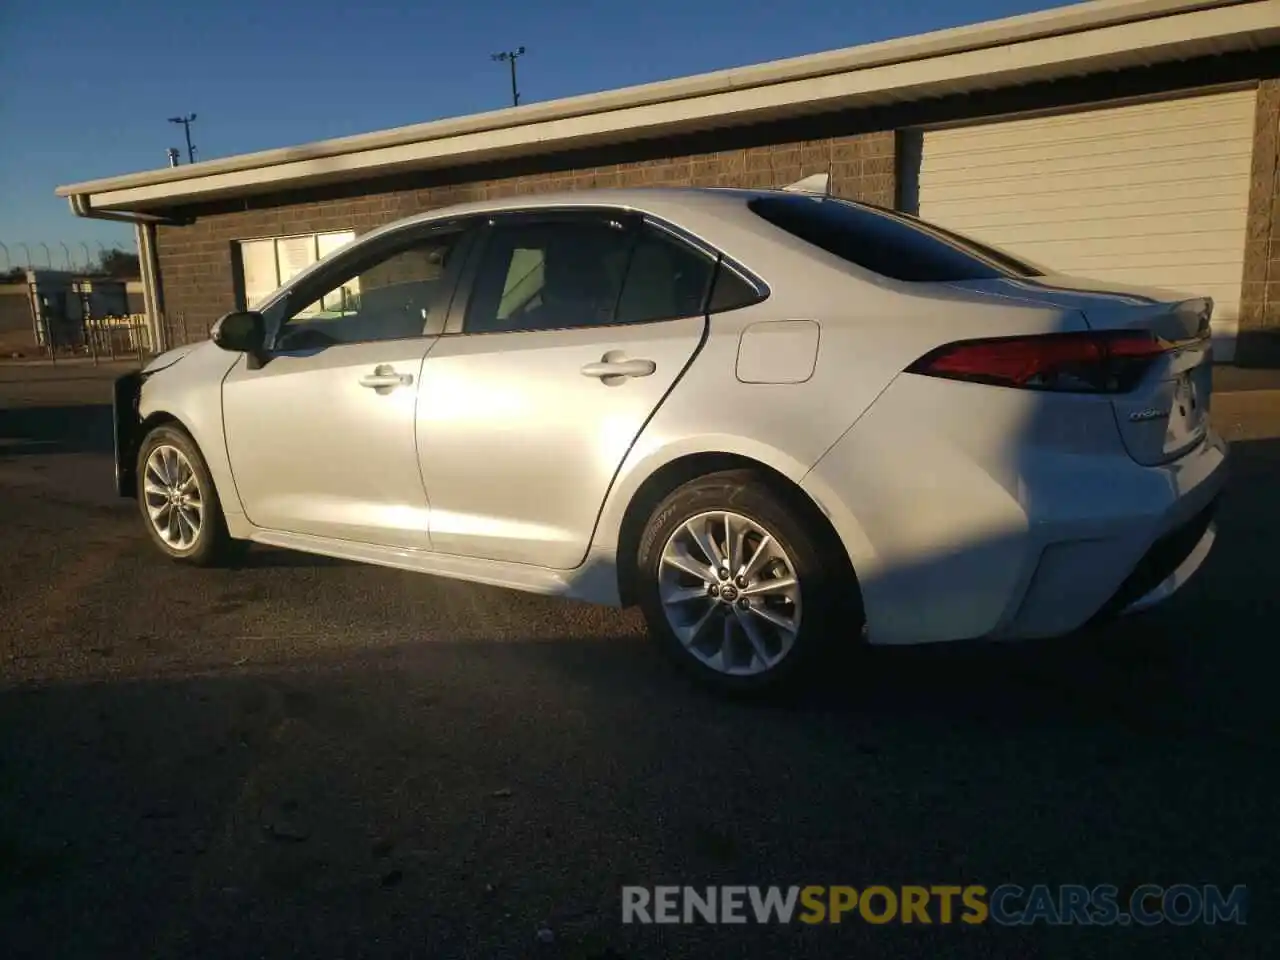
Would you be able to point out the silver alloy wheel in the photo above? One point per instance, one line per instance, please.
(173, 497)
(730, 593)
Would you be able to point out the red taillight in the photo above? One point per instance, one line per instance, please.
(1105, 362)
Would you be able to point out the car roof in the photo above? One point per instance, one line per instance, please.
(686, 207)
(666, 202)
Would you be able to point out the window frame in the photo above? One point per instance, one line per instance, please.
(633, 220)
(364, 254)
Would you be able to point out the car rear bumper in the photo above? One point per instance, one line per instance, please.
(954, 535)
(1148, 560)
(1167, 567)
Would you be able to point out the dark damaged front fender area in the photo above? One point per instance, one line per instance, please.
(127, 426)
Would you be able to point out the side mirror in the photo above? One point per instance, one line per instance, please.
(242, 331)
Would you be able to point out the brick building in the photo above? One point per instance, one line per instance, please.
(1132, 140)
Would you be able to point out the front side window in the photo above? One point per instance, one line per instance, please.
(385, 294)
(887, 243)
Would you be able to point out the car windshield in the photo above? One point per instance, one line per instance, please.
(886, 242)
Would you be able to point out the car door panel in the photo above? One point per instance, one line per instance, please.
(321, 436)
(520, 434)
(322, 442)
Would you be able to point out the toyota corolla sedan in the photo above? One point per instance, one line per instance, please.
(774, 421)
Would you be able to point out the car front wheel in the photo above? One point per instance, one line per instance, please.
(733, 584)
(178, 501)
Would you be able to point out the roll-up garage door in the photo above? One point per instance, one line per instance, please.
(1154, 194)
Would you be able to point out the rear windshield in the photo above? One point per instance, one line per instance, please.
(886, 242)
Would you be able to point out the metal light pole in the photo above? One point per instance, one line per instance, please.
(186, 129)
(87, 258)
(48, 259)
(8, 264)
(28, 256)
(511, 56)
(66, 252)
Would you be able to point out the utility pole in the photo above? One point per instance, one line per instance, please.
(186, 128)
(510, 56)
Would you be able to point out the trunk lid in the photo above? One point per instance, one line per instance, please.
(1167, 413)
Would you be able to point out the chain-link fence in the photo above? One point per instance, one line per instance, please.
(117, 337)
(112, 337)
(176, 331)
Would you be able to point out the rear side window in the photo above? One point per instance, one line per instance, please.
(665, 279)
(731, 291)
(885, 242)
(550, 274)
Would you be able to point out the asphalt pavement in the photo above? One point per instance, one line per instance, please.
(303, 757)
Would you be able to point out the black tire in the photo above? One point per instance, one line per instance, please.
(829, 611)
(212, 545)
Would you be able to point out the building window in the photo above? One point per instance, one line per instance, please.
(267, 264)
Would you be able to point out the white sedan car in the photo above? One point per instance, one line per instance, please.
(774, 421)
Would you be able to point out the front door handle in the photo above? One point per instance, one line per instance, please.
(384, 377)
(613, 368)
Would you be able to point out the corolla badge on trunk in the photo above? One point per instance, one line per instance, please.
(1151, 413)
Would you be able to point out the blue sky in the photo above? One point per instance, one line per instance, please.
(86, 87)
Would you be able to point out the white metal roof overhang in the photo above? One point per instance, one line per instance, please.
(1071, 41)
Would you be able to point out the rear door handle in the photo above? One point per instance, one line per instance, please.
(384, 377)
(609, 367)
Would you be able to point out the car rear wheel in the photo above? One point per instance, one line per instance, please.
(733, 584)
(178, 501)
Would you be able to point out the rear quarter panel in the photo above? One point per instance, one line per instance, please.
(868, 332)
